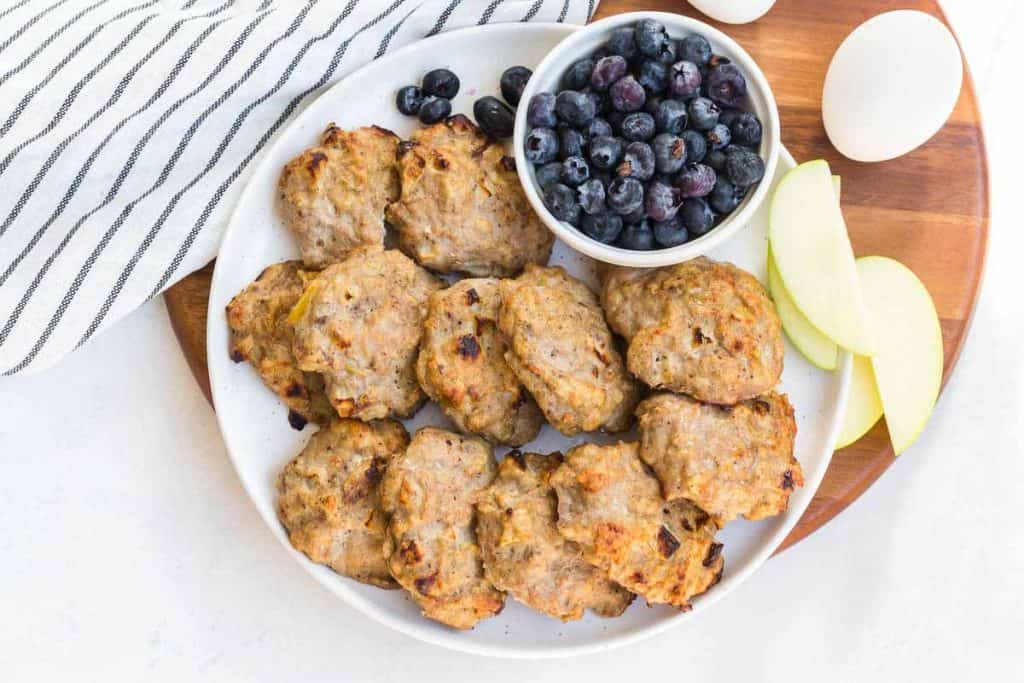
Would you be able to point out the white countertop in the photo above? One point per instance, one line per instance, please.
(130, 552)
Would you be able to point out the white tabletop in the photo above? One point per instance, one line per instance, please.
(128, 550)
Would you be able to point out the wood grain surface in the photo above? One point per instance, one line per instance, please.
(928, 209)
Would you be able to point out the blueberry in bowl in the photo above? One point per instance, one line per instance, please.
(667, 133)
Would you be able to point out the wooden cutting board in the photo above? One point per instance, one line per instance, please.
(928, 209)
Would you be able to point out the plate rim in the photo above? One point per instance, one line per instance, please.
(367, 607)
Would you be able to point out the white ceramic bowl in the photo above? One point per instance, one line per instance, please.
(761, 101)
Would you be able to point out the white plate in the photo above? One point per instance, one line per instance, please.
(254, 423)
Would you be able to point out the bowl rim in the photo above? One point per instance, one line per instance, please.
(559, 58)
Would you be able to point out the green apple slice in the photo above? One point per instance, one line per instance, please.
(908, 359)
(814, 258)
(814, 346)
(864, 406)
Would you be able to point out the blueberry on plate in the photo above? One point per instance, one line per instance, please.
(635, 216)
(696, 145)
(627, 95)
(697, 216)
(653, 76)
(625, 195)
(744, 168)
(684, 80)
(571, 143)
(575, 108)
(621, 43)
(669, 153)
(591, 194)
(540, 112)
(703, 113)
(549, 174)
(696, 180)
(603, 227)
(638, 126)
(598, 127)
(746, 129)
(561, 202)
(605, 152)
(726, 85)
(728, 116)
(695, 48)
(575, 170)
(434, 109)
(650, 37)
(637, 161)
(607, 71)
(725, 196)
(577, 76)
(494, 116)
(670, 233)
(671, 117)
(441, 83)
(668, 53)
(661, 201)
(512, 82)
(408, 100)
(637, 236)
(719, 136)
(716, 159)
(541, 146)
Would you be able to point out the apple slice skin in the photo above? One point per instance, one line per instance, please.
(814, 257)
(909, 360)
(812, 344)
(864, 407)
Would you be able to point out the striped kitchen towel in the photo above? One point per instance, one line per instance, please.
(129, 127)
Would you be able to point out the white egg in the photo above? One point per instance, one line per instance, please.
(733, 11)
(891, 85)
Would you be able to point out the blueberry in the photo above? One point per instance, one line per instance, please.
(695, 48)
(652, 104)
(513, 80)
(671, 233)
(603, 227)
(607, 71)
(637, 236)
(637, 161)
(728, 116)
(575, 108)
(627, 95)
(697, 216)
(541, 145)
(561, 202)
(638, 126)
(621, 43)
(575, 170)
(441, 83)
(598, 127)
(716, 160)
(409, 100)
(685, 80)
(625, 195)
(669, 152)
(661, 201)
(494, 116)
(726, 85)
(571, 143)
(549, 174)
(577, 76)
(541, 111)
(653, 76)
(746, 130)
(718, 137)
(605, 152)
(696, 180)
(725, 196)
(635, 216)
(600, 101)
(744, 168)
(668, 53)
(696, 145)
(650, 37)
(703, 113)
(434, 109)
(671, 117)
(591, 195)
